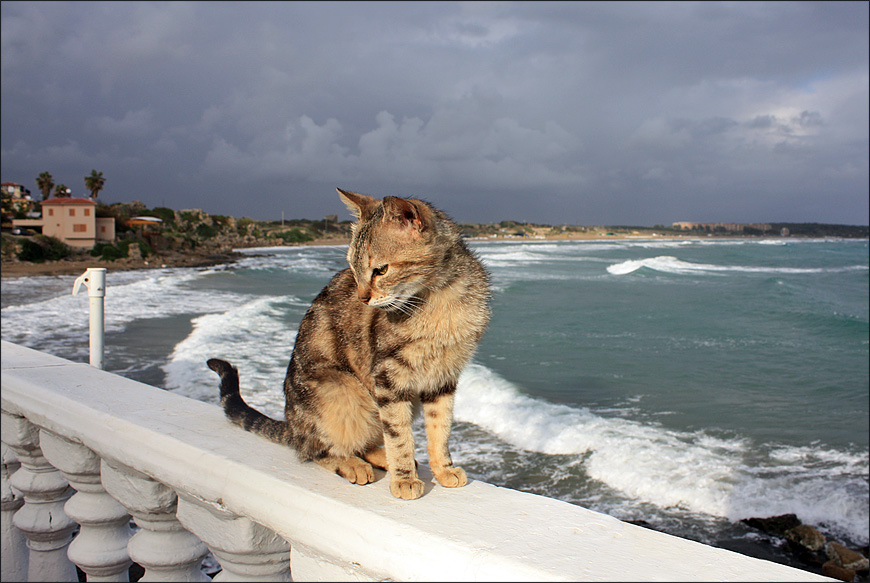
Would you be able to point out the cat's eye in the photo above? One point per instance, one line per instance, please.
(379, 270)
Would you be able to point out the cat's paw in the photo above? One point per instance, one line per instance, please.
(451, 477)
(356, 471)
(406, 488)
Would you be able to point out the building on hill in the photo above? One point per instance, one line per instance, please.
(722, 227)
(72, 220)
(18, 196)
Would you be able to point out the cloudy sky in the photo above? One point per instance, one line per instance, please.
(582, 113)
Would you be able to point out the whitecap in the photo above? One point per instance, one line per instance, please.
(256, 336)
(129, 297)
(669, 264)
(698, 472)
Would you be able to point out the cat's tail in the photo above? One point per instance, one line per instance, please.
(240, 412)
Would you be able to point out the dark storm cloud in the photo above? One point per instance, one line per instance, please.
(628, 113)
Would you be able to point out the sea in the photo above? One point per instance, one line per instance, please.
(682, 384)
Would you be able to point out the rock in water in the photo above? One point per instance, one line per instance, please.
(846, 558)
(774, 524)
(807, 537)
(831, 569)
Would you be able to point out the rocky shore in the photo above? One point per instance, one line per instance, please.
(811, 548)
(76, 265)
(203, 256)
(187, 238)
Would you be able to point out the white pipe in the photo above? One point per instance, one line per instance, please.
(95, 280)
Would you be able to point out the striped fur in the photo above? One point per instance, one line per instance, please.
(386, 336)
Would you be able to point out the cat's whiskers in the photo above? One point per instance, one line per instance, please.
(408, 304)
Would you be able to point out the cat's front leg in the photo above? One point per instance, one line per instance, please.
(396, 418)
(438, 415)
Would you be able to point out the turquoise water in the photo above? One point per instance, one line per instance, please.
(685, 383)
(765, 339)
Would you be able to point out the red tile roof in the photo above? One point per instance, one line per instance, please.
(69, 201)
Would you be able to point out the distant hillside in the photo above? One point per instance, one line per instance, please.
(195, 229)
(520, 229)
(823, 230)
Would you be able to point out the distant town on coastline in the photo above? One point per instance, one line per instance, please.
(60, 225)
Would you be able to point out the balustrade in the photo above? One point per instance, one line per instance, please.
(15, 559)
(189, 479)
(166, 550)
(246, 550)
(41, 519)
(100, 548)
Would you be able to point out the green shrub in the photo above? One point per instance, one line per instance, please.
(31, 251)
(112, 253)
(167, 215)
(43, 248)
(109, 252)
(242, 226)
(57, 249)
(205, 231)
(145, 248)
(97, 249)
(294, 236)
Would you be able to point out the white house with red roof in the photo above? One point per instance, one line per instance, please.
(72, 220)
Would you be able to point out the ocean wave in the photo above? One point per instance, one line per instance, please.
(143, 295)
(295, 262)
(253, 336)
(669, 264)
(511, 258)
(698, 472)
(660, 244)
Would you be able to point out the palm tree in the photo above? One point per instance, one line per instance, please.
(45, 183)
(95, 183)
(62, 191)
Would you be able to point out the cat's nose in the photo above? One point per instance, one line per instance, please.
(364, 297)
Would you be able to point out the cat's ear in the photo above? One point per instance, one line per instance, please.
(360, 205)
(404, 212)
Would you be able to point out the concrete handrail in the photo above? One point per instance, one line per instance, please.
(478, 532)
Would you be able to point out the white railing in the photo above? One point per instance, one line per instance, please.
(193, 482)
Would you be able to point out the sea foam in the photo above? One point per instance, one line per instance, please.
(254, 337)
(63, 320)
(698, 471)
(669, 264)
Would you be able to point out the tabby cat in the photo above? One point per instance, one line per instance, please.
(391, 332)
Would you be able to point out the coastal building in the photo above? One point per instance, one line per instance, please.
(72, 220)
(18, 197)
(721, 227)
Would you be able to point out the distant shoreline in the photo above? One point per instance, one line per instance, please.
(78, 264)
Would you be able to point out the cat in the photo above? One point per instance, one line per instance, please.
(386, 335)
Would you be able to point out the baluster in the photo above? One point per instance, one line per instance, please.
(100, 547)
(163, 547)
(247, 551)
(42, 520)
(14, 551)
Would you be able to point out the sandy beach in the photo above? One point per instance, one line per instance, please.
(77, 264)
